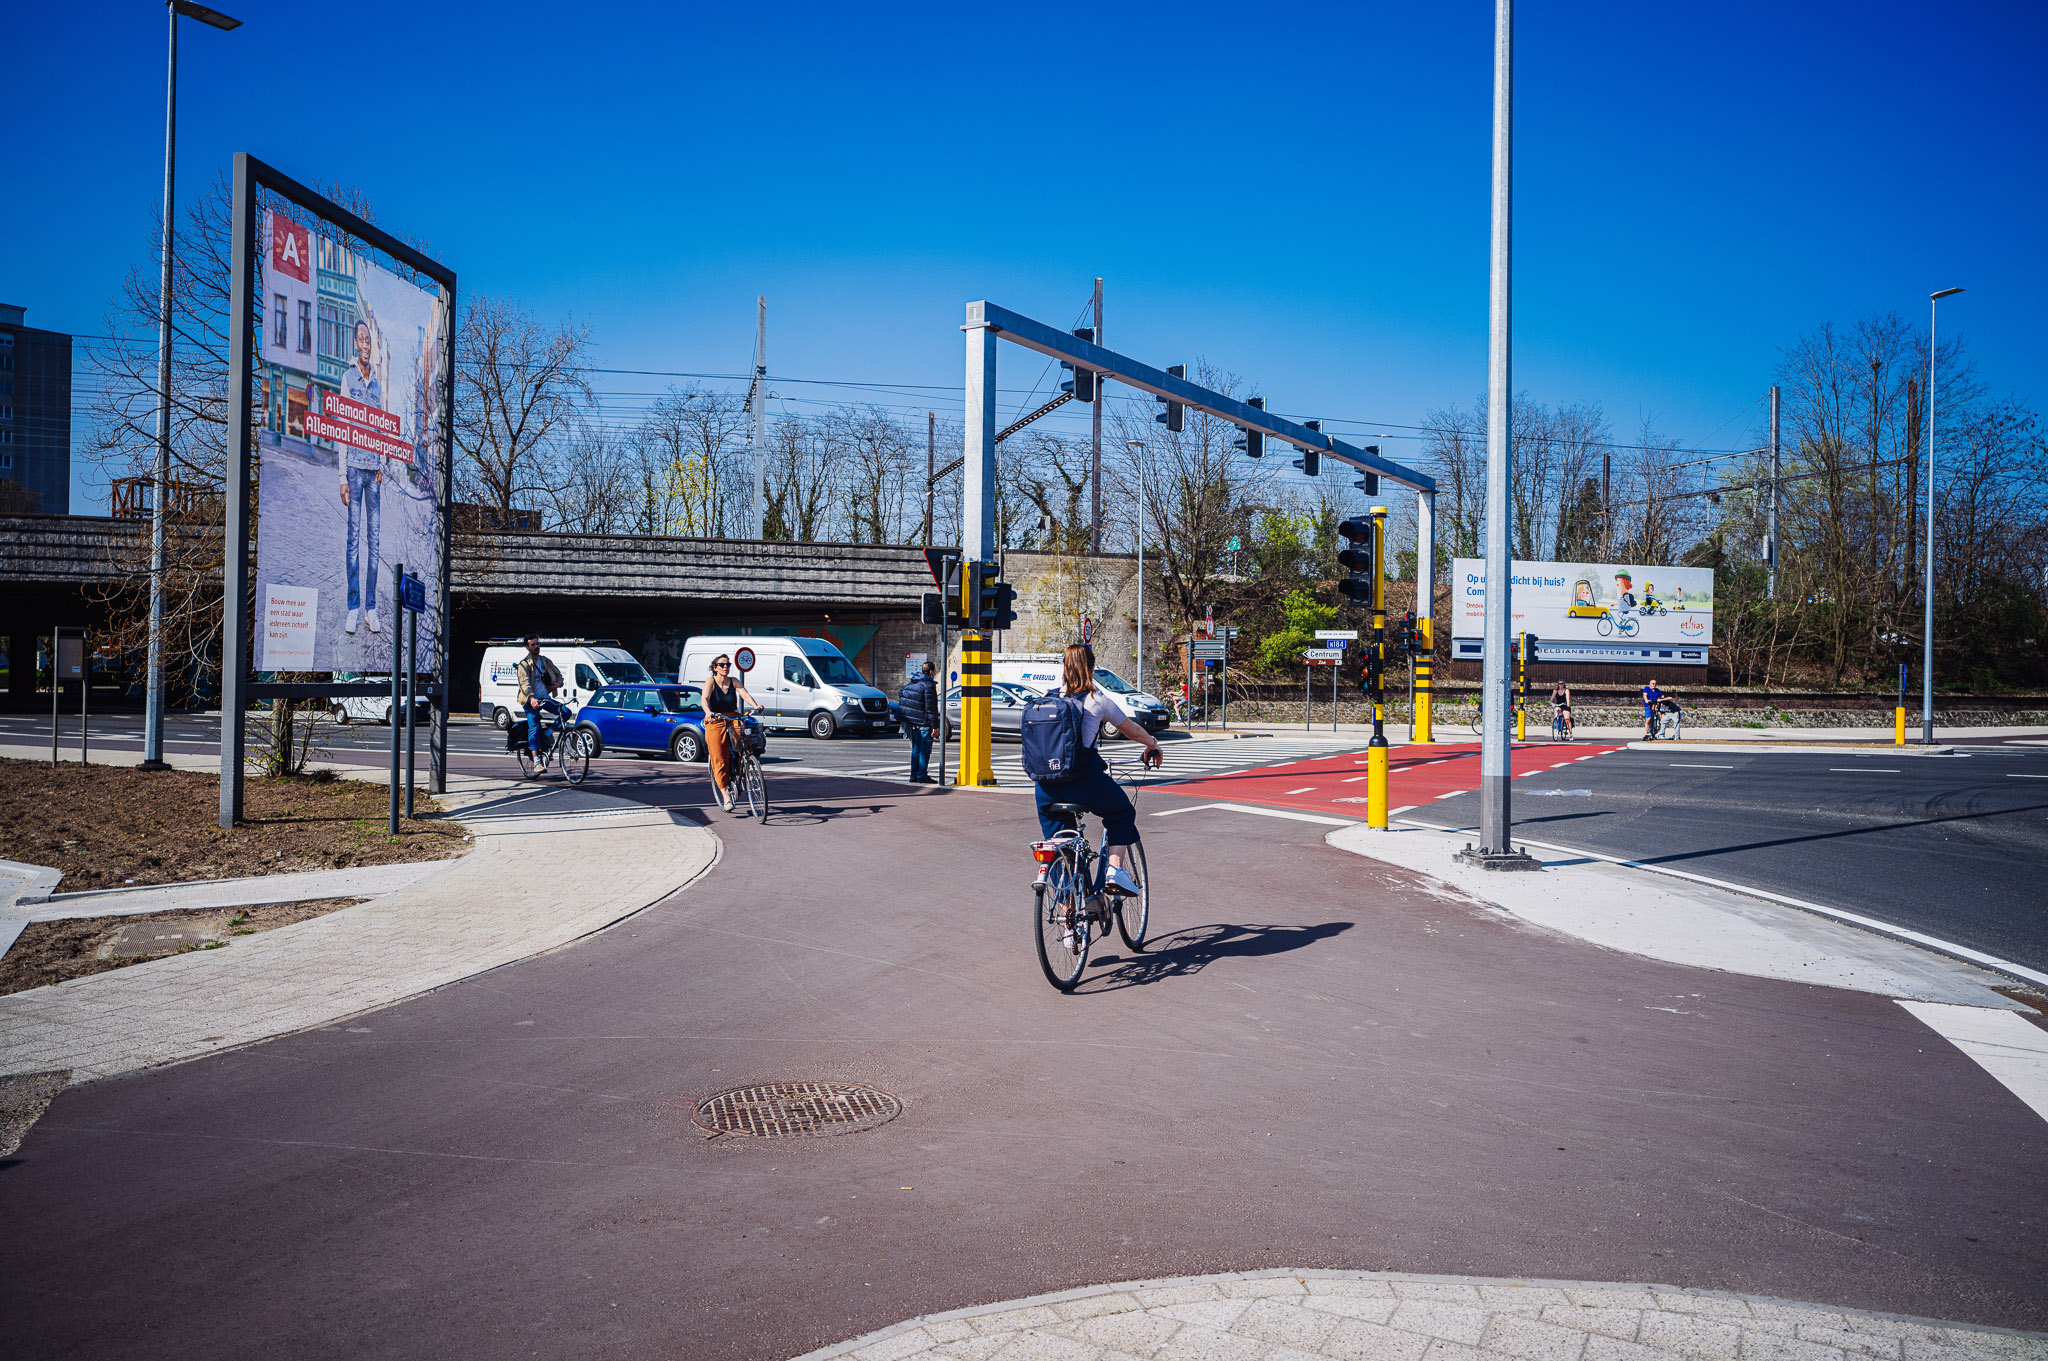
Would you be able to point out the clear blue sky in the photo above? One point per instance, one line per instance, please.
(1297, 195)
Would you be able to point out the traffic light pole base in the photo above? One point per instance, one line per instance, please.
(1516, 859)
(154, 765)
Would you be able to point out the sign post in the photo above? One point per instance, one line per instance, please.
(1336, 638)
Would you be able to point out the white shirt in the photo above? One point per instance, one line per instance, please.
(1097, 709)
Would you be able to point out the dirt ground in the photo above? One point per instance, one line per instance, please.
(51, 952)
(109, 826)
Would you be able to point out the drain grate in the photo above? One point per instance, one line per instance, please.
(797, 1110)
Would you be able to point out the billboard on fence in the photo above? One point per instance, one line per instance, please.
(1593, 611)
(348, 478)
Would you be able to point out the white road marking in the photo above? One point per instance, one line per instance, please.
(2010, 776)
(1303, 790)
(2003, 1043)
(1860, 770)
(1261, 812)
(1409, 808)
(1354, 779)
(1697, 765)
(1454, 793)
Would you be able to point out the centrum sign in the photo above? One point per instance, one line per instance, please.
(1603, 610)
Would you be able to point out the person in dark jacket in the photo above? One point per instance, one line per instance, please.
(917, 707)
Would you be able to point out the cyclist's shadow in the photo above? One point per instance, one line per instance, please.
(1189, 951)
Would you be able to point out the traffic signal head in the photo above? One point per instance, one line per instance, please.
(1528, 649)
(1311, 460)
(1082, 384)
(994, 601)
(1175, 416)
(1356, 559)
(1253, 442)
(957, 592)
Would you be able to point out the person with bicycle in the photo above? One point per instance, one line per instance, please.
(1653, 699)
(1561, 705)
(539, 682)
(725, 699)
(1093, 788)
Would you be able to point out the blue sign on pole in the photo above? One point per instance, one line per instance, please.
(413, 593)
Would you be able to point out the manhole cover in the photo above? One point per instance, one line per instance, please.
(795, 1110)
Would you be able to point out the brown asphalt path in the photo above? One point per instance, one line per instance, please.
(1318, 1065)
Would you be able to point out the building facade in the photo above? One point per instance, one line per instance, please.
(35, 415)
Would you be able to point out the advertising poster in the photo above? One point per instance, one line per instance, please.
(348, 476)
(1594, 611)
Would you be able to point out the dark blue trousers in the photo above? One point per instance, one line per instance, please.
(1100, 795)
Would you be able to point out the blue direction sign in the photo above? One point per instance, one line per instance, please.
(412, 593)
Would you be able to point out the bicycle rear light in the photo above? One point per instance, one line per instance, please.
(1045, 852)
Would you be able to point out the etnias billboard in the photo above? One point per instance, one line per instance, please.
(348, 479)
(1593, 611)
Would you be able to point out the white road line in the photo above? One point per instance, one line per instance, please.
(1409, 808)
(1356, 778)
(1262, 812)
(2003, 1043)
(1454, 793)
(1303, 790)
(1860, 770)
(2010, 776)
(1697, 765)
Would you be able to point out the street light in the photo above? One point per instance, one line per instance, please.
(1927, 619)
(153, 711)
(1139, 651)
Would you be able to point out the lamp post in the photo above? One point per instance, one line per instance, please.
(1927, 617)
(1138, 659)
(153, 711)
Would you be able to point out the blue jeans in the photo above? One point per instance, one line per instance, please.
(1100, 795)
(920, 750)
(363, 499)
(533, 720)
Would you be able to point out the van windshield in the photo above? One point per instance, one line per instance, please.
(622, 673)
(1112, 682)
(834, 669)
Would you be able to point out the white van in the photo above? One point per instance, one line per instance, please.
(585, 664)
(346, 709)
(799, 683)
(1042, 671)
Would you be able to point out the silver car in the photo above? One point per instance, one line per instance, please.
(1006, 703)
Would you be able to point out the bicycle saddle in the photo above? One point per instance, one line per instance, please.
(1066, 810)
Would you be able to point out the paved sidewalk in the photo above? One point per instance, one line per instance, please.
(523, 889)
(1380, 1316)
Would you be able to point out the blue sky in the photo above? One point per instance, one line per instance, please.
(1297, 196)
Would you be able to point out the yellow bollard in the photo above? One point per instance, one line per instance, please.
(1376, 787)
(974, 766)
(1899, 724)
(1521, 725)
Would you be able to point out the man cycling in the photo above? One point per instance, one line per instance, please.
(539, 682)
(1561, 704)
(1653, 698)
(1093, 788)
(725, 699)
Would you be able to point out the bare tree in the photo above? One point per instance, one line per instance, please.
(520, 394)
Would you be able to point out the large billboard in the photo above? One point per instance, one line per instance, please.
(1593, 611)
(348, 475)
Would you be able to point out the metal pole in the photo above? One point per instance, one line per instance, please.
(760, 414)
(412, 667)
(153, 689)
(56, 692)
(1495, 826)
(437, 739)
(84, 698)
(1771, 515)
(931, 474)
(397, 660)
(234, 651)
(1308, 711)
(1927, 617)
(1421, 670)
(1334, 669)
(1095, 445)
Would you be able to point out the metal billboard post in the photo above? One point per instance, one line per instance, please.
(437, 736)
(1494, 850)
(397, 660)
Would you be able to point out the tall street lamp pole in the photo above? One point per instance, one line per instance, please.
(1138, 661)
(153, 714)
(1927, 618)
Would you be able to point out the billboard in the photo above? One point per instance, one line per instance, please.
(347, 481)
(1593, 611)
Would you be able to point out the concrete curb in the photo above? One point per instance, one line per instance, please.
(927, 1334)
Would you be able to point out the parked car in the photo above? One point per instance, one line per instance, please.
(802, 683)
(1005, 710)
(347, 709)
(657, 719)
(585, 664)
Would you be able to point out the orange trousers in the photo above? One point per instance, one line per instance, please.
(719, 731)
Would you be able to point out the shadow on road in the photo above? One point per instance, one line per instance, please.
(1188, 952)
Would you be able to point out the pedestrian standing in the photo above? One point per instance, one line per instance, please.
(917, 708)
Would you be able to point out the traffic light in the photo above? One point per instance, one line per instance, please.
(1528, 650)
(1174, 418)
(1311, 460)
(955, 593)
(1356, 559)
(1253, 442)
(1082, 384)
(1370, 483)
(994, 600)
(934, 609)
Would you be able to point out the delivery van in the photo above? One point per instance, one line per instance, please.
(802, 683)
(585, 664)
(1042, 671)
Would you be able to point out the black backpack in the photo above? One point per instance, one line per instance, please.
(1050, 734)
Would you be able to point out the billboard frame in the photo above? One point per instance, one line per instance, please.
(237, 684)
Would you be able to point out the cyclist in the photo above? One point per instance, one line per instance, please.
(1652, 698)
(539, 682)
(1093, 788)
(1561, 704)
(725, 699)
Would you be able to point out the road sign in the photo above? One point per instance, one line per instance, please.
(413, 593)
(1334, 644)
(1322, 654)
(744, 659)
(1232, 545)
(1349, 634)
(1228, 631)
(1205, 648)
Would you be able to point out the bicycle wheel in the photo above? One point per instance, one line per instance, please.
(1478, 722)
(1605, 626)
(575, 756)
(756, 787)
(1628, 626)
(1132, 914)
(528, 767)
(1062, 933)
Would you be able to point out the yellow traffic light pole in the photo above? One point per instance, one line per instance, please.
(1376, 753)
(1522, 687)
(974, 710)
(1422, 725)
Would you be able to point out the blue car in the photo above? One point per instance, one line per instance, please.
(659, 719)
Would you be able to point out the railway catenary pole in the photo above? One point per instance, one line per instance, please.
(1771, 514)
(1927, 619)
(1095, 444)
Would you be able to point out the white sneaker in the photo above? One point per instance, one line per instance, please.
(353, 617)
(1119, 880)
(375, 627)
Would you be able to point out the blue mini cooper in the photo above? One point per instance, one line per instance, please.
(659, 719)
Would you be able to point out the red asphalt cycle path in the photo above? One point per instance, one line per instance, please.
(1416, 775)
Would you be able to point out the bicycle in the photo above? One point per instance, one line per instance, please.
(1479, 718)
(560, 745)
(1560, 723)
(745, 768)
(1070, 908)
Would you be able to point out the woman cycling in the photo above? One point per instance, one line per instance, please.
(1561, 703)
(725, 699)
(1093, 788)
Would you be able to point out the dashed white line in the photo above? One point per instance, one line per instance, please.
(1697, 765)
(1354, 779)
(1303, 790)
(2010, 776)
(1860, 770)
